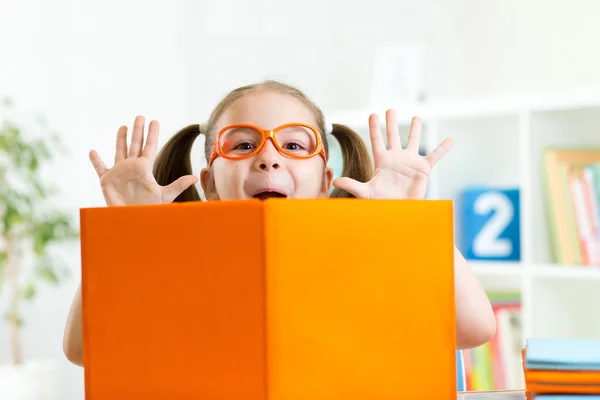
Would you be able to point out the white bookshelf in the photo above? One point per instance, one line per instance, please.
(498, 277)
(498, 142)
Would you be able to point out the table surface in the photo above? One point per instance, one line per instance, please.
(493, 395)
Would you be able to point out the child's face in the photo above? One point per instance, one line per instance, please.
(268, 171)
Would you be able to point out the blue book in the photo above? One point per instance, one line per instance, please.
(563, 354)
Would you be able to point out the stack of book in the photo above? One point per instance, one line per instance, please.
(566, 369)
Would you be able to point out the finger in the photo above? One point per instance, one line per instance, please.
(376, 138)
(98, 164)
(151, 146)
(357, 189)
(173, 190)
(121, 151)
(439, 151)
(391, 128)
(137, 137)
(414, 135)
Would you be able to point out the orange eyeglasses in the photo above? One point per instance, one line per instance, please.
(295, 140)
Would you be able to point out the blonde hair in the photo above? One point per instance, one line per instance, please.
(174, 160)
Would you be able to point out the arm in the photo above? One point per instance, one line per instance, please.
(475, 320)
(73, 337)
(402, 173)
(126, 183)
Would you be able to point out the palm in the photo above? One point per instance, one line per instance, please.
(131, 181)
(400, 173)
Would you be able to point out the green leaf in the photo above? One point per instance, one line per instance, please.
(18, 317)
(33, 163)
(12, 312)
(40, 189)
(58, 144)
(12, 217)
(48, 274)
(55, 228)
(39, 245)
(29, 290)
(42, 150)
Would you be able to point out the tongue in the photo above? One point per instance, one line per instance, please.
(268, 195)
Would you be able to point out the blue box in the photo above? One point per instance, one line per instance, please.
(489, 223)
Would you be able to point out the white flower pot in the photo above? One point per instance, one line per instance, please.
(33, 380)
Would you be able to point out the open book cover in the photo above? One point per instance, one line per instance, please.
(282, 299)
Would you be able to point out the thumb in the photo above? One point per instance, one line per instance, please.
(357, 189)
(173, 190)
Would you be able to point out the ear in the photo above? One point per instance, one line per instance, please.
(327, 182)
(208, 184)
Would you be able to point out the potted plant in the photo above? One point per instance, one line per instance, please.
(30, 229)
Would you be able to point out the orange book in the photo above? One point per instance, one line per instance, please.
(274, 300)
(547, 388)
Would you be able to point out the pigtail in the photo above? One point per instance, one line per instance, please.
(174, 161)
(357, 160)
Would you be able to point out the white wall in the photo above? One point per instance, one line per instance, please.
(532, 45)
(91, 66)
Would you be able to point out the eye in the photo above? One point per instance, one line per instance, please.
(245, 146)
(294, 146)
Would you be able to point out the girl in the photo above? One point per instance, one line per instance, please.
(247, 160)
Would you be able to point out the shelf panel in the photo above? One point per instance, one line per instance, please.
(508, 275)
(498, 276)
(562, 302)
(563, 128)
(475, 107)
(570, 272)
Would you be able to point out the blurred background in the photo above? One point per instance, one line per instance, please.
(509, 80)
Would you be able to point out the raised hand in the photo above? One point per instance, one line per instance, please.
(131, 181)
(400, 173)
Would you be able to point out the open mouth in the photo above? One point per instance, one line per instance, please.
(269, 195)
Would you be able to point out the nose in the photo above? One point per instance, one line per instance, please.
(268, 158)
